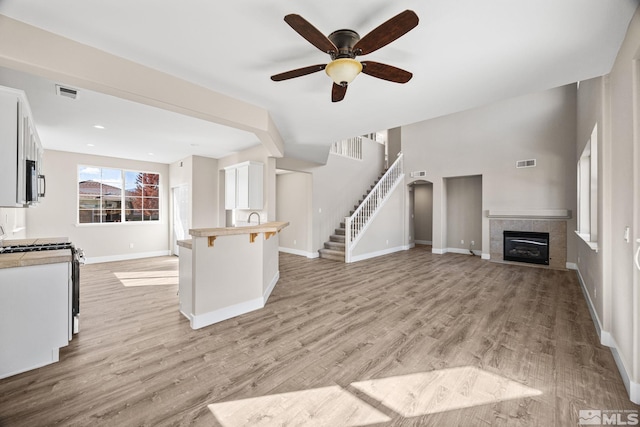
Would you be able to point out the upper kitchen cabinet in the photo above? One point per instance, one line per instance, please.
(21, 179)
(243, 186)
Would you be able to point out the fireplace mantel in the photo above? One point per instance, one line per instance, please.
(530, 213)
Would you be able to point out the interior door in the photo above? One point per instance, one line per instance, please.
(181, 222)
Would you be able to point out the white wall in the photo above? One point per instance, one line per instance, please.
(386, 231)
(337, 187)
(56, 215)
(610, 279)
(488, 141)
(201, 175)
(591, 264)
(13, 220)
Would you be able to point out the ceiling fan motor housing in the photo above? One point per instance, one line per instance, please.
(344, 40)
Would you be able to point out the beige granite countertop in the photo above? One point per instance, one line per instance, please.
(25, 259)
(267, 227)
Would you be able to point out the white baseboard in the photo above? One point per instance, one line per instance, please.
(633, 388)
(125, 257)
(462, 251)
(299, 252)
(606, 339)
(201, 320)
(355, 258)
(424, 242)
(592, 311)
(438, 251)
(571, 266)
(486, 256)
(272, 284)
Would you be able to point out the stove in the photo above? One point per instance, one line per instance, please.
(12, 249)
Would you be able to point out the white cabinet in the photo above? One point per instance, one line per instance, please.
(35, 316)
(21, 178)
(243, 186)
(12, 159)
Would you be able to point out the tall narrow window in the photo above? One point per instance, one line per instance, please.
(588, 191)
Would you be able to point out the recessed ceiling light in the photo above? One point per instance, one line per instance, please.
(98, 126)
(151, 154)
(90, 145)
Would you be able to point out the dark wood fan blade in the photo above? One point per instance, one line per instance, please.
(298, 72)
(310, 33)
(385, 72)
(387, 32)
(338, 92)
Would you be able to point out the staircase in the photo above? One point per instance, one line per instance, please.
(334, 249)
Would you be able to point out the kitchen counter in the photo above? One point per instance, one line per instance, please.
(228, 271)
(25, 259)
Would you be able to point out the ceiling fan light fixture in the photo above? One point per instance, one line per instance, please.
(343, 70)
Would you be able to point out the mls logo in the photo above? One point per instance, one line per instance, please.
(590, 417)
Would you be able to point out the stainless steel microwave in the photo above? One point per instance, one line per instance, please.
(32, 181)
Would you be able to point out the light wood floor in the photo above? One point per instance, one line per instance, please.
(350, 331)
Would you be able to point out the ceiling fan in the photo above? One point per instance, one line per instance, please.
(344, 45)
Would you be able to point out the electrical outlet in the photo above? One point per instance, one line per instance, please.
(294, 242)
(462, 242)
(130, 245)
(595, 292)
(473, 243)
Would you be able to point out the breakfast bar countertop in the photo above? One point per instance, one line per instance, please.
(267, 227)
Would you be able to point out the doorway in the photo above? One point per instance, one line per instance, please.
(422, 212)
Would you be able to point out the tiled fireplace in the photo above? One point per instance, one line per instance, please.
(557, 242)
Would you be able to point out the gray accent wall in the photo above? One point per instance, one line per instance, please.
(294, 204)
(464, 213)
(423, 212)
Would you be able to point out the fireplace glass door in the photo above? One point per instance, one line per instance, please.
(526, 246)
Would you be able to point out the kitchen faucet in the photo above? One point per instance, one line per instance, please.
(249, 219)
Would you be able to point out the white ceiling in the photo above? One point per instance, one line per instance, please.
(463, 54)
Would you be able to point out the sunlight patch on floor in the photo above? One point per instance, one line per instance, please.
(408, 396)
(147, 278)
(443, 390)
(328, 406)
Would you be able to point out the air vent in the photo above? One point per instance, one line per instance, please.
(418, 174)
(526, 163)
(67, 92)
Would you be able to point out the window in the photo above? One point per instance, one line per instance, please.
(588, 191)
(101, 198)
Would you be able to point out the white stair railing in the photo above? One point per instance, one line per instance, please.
(358, 222)
(351, 147)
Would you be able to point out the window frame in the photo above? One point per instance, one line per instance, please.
(587, 192)
(123, 197)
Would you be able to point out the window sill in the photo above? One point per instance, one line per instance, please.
(586, 238)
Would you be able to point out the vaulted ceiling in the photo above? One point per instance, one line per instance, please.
(462, 54)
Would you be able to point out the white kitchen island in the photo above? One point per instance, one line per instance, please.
(227, 271)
